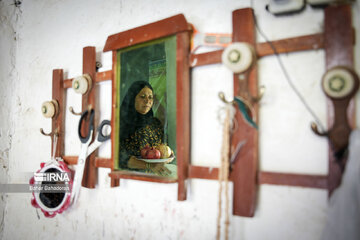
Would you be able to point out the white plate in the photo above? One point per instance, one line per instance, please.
(160, 160)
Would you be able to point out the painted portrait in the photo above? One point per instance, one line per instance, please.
(145, 116)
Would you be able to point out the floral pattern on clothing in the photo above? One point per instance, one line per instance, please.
(151, 134)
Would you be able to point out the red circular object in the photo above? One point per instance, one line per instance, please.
(36, 201)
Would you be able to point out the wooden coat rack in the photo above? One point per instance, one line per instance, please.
(59, 92)
(337, 40)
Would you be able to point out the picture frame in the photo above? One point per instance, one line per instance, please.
(143, 53)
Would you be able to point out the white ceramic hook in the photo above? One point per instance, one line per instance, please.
(82, 84)
(238, 57)
(50, 109)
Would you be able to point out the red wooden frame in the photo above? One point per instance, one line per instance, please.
(88, 99)
(339, 51)
(178, 26)
(246, 163)
(58, 122)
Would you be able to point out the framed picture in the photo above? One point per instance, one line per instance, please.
(145, 121)
(151, 102)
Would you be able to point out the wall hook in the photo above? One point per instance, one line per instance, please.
(340, 85)
(238, 57)
(259, 96)
(82, 84)
(315, 129)
(223, 99)
(246, 109)
(50, 109)
(49, 134)
(71, 109)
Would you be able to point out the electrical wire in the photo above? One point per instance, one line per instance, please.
(287, 75)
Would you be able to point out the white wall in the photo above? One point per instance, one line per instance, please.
(52, 34)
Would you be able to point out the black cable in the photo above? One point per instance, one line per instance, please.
(286, 74)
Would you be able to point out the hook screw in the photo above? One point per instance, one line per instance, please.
(56, 133)
(71, 109)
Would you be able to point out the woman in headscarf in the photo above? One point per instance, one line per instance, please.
(139, 127)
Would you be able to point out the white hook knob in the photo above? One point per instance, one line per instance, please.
(82, 84)
(49, 109)
(238, 57)
(339, 82)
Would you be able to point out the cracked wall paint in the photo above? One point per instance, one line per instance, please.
(39, 36)
(8, 73)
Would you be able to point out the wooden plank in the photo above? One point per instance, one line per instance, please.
(245, 167)
(296, 180)
(70, 160)
(89, 67)
(103, 162)
(67, 83)
(274, 178)
(203, 172)
(338, 52)
(114, 181)
(58, 122)
(99, 77)
(140, 177)
(145, 33)
(182, 111)
(99, 161)
(303, 43)
(103, 76)
(338, 36)
(207, 58)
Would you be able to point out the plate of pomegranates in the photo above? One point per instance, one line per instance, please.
(156, 160)
(158, 154)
